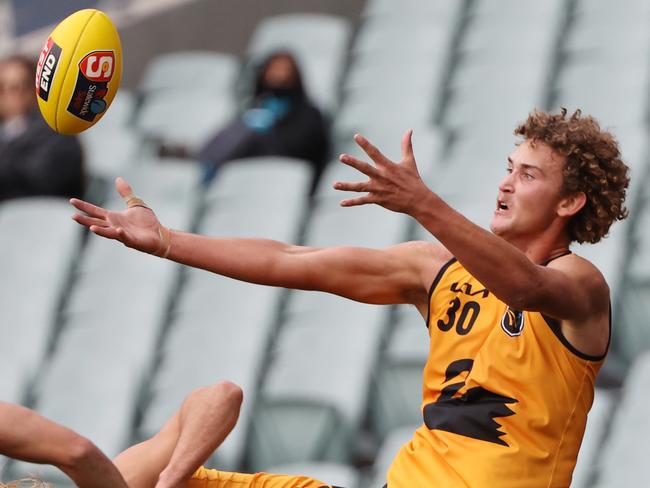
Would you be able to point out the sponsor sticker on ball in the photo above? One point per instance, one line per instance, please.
(95, 72)
(46, 68)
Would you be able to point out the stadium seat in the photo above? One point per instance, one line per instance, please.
(632, 337)
(112, 321)
(202, 71)
(259, 197)
(226, 340)
(259, 181)
(513, 7)
(297, 429)
(610, 257)
(331, 400)
(387, 452)
(169, 186)
(313, 398)
(109, 152)
(624, 452)
(383, 32)
(184, 118)
(607, 52)
(91, 392)
(112, 146)
(366, 226)
(375, 8)
(398, 386)
(484, 95)
(428, 144)
(121, 114)
(33, 282)
(14, 380)
(400, 66)
(597, 425)
(397, 114)
(318, 41)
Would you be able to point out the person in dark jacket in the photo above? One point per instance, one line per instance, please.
(280, 121)
(34, 160)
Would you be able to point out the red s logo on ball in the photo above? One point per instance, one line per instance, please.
(98, 66)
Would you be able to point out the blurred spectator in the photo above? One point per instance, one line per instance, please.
(280, 121)
(34, 160)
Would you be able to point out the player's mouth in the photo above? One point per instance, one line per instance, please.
(502, 207)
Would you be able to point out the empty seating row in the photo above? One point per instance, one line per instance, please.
(221, 328)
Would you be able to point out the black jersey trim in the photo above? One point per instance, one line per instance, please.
(436, 280)
(554, 325)
(565, 253)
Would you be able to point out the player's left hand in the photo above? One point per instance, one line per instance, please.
(395, 186)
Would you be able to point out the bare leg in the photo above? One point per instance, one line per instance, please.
(184, 443)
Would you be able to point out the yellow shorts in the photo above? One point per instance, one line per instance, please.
(212, 478)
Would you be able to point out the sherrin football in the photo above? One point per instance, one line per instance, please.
(79, 71)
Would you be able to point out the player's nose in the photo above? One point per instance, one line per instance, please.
(506, 185)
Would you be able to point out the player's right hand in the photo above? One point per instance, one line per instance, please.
(136, 227)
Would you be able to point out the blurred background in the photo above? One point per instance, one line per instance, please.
(228, 122)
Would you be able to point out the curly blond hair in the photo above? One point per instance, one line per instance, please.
(593, 166)
(26, 483)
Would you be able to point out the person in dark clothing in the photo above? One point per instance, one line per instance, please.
(34, 160)
(280, 121)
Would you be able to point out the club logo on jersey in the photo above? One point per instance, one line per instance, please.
(512, 322)
(46, 68)
(470, 414)
(95, 72)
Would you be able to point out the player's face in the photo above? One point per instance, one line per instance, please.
(530, 193)
(280, 73)
(16, 90)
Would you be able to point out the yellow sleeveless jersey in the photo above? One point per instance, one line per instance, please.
(505, 395)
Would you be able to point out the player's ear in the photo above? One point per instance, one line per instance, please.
(571, 204)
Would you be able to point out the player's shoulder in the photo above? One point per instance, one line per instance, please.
(582, 271)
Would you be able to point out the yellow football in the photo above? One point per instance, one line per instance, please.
(79, 71)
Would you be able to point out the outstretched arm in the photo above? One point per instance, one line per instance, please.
(399, 274)
(27, 436)
(566, 291)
